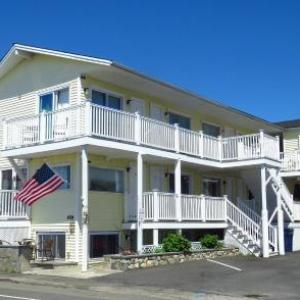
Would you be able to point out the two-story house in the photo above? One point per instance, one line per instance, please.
(140, 157)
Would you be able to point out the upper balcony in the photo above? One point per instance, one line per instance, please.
(290, 163)
(89, 120)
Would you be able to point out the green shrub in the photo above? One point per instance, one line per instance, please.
(211, 241)
(176, 243)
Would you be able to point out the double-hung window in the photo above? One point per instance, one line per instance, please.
(65, 173)
(6, 180)
(55, 100)
(182, 121)
(106, 180)
(106, 99)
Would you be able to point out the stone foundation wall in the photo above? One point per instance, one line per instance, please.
(15, 259)
(129, 262)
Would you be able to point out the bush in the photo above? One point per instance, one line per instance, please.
(211, 241)
(176, 243)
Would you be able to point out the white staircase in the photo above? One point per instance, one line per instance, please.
(246, 229)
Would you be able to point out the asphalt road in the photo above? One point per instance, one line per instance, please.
(274, 278)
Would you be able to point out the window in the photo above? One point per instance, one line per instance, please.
(19, 183)
(212, 187)
(104, 99)
(54, 100)
(185, 184)
(211, 130)
(102, 244)
(6, 180)
(182, 121)
(65, 173)
(106, 180)
(62, 98)
(54, 241)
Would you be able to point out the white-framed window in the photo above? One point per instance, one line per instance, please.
(106, 180)
(7, 179)
(102, 243)
(57, 99)
(107, 99)
(210, 129)
(52, 241)
(182, 121)
(65, 172)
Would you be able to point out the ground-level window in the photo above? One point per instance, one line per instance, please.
(6, 180)
(54, 241)
(106, 180)
(103, 243)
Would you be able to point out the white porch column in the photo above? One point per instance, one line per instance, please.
(155, 236)
(280, 225)
(264, 214)
(84, 202)
(139, 225)
(177, 179)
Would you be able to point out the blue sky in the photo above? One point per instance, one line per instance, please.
(243, 53)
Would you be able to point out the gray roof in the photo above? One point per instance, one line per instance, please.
(289, 123)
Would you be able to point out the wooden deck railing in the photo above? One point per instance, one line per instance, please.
(94, 120)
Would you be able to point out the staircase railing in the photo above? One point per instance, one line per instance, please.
(249, 211)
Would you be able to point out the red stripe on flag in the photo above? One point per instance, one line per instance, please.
(51, 187)
(29, 185)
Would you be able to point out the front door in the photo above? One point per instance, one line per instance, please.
(156, 178)
(46, 103)
(157, 113)
(137, 105)
(46, 106)
(212, 187)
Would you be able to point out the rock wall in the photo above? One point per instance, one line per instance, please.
(129, 262)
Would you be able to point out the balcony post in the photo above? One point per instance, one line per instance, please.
(177, 178)
(203, 212)
(88, 118)
(201, 144)
(43, 129)
(155, 206)
(225, 206)
(280, 225)
(264, 214)
(84, 207)
(220, 147)
(177, 142)
(262, 143)
(139, 225)
(155, 237)
(138, 128)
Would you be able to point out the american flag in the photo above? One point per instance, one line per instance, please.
(44, 182)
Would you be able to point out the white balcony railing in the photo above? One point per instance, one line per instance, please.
(290, 161)
(10, 208)
(94, 120)
(160, 206)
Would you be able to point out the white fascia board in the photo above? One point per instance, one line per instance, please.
(14, 223)
(290, 174)
(178, 225)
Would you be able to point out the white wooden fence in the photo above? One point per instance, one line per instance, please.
(94, 120)
(290, 161)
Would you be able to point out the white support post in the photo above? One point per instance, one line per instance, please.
(155, 237)
(43, 128)
(177, 142)
(16, 173)
(155, 206)
(225, 206)
(84, 202)
(139, 225)
(201, 144)
(88, 118)
(280, 225)
(138, 128)
(177, 179)
(262, 143)
(220, 147)
(264, 214)
(203, 212)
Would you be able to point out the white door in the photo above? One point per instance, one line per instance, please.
(132, 192)
(156, 178)
(137, 105)
(157, 112)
